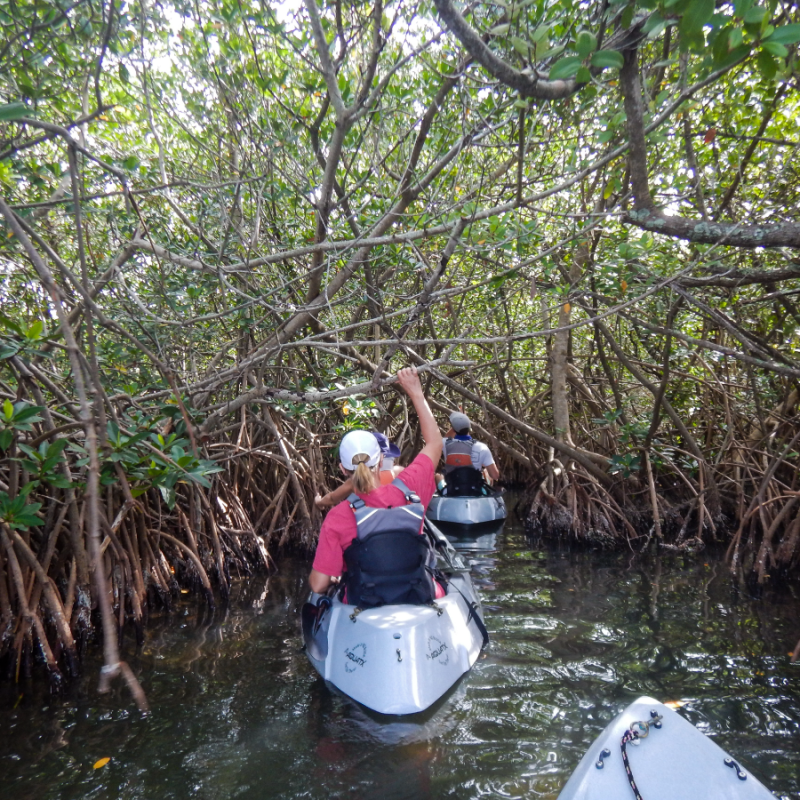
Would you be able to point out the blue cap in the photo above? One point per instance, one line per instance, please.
(389, 449)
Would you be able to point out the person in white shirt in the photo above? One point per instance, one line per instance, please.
(460, 450)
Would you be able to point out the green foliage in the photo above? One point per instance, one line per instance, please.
(22, 339)
(607, 58)
(16, 417)
(227, 151)
(357, 414)
(18, 513)
(43, 464)
(10, 111)
(625, 465)
(566, 67)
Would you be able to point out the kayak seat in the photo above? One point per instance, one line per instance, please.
(465, 482)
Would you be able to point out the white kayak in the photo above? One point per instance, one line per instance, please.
(672, 761)
(477, 513)
(398, 659)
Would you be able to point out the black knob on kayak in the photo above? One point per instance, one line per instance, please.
(656, 717)
(740, 773)
(604, 754)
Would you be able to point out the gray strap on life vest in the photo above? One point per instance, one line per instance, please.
(363, 513)
(360, 508)
(411, 497)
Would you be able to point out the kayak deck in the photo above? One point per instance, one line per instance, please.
(673, 761)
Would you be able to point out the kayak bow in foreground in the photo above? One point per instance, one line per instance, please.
(667, 759)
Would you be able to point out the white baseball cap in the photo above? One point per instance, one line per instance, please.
(358, 443)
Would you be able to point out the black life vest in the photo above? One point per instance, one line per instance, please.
(389, 562)
(464, 482)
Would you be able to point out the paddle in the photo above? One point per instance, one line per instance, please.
(316, 642)
(441, 542)
(443, 545)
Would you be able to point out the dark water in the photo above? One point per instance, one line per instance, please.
(238, 711)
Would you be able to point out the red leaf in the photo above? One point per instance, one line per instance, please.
(711, 134)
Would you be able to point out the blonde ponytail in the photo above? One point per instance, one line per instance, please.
(363, 476)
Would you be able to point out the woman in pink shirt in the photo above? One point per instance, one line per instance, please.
(360, 457)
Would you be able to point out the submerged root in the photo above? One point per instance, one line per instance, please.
(579, 510)
(582, 511)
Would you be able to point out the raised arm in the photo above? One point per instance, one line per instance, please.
(409, 380)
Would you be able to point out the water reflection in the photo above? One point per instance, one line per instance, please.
(238, 711)
(482, 542)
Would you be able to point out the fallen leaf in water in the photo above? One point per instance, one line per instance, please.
(102, 762)
(184, 591)
(675, 704)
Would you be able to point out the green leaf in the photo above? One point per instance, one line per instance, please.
(627, 16)
(551, 52)
(521, 46)
(8, 349)
(59, 481)
(168, 493)
(786, 34)
(500, 30)
(767, 65)
(585, 44)
(607, 58)
(754, 16)
(655, 22)
(565, 68)
(56, 447)
(30, 452)
(737, 54)
(27, 413)
(27, 520)
(695, 17)
(15, 110)
(34, 332)
(540, 33)
(124, 75)
(200, 479)
(776, 49)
